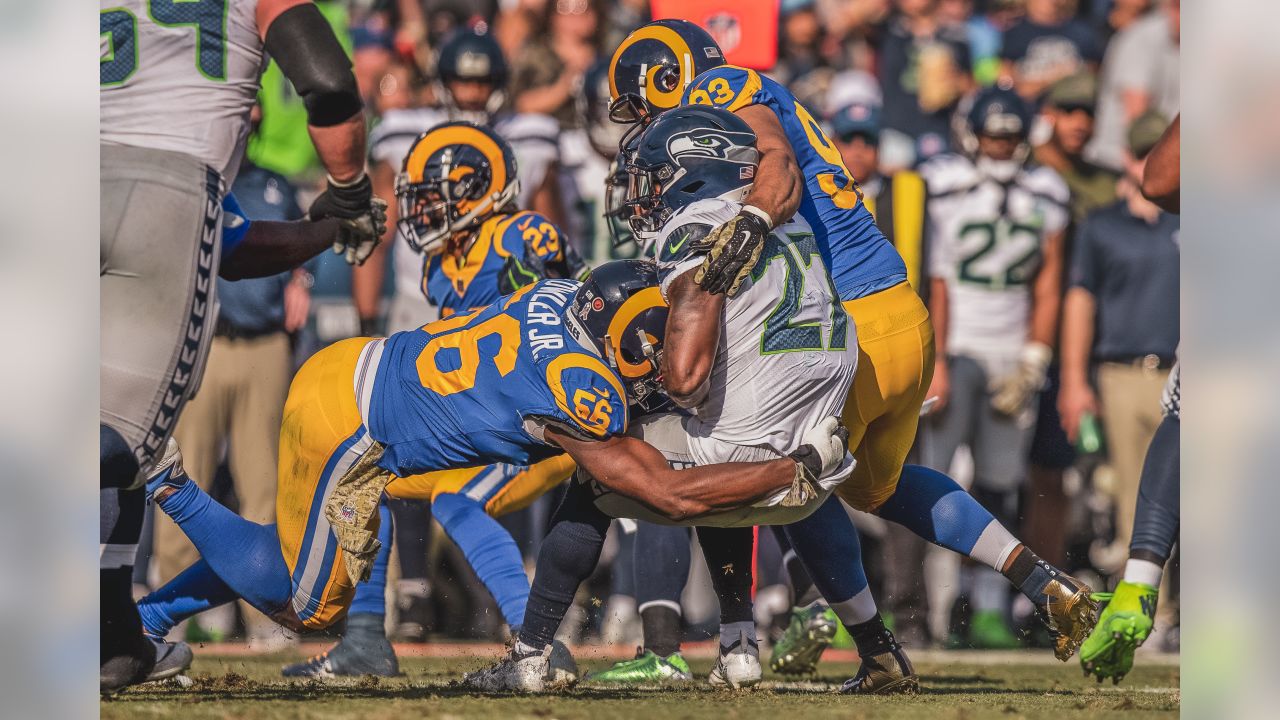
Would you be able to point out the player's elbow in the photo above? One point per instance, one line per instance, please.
(678, 507)
(686, 387)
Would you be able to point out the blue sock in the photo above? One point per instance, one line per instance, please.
(194, 590)
(244, 554)
(827, 543)
(933, 506)
(371, 595)
(490, 550)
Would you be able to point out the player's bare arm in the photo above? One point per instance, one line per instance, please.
(367, 279)
(1162, 181)
(302, 43)
(1046, 293)
(775, 198)
(693, 335)
(270, 248)
(939, 308)
(781, 186)
(636, 469)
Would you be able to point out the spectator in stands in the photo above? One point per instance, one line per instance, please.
(1140, 73)
(548, 70)
(1121, 323)
(1069, 106)
(985, 30)
(1048, 44)
(800, 39)
(924, 70)
(241, 400)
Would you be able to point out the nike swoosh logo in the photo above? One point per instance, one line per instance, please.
(674, 247)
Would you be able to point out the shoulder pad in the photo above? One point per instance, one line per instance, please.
(728, 86)
(588, 393)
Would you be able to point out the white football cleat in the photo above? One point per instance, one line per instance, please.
(562, 669)
(738, 666)
(514, 673)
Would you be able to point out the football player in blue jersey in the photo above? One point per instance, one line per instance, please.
(673, 62)
(508, 383)
(457, 192)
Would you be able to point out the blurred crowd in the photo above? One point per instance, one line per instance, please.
(888, 79)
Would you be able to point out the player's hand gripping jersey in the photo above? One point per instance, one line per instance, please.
(508, 252)
(987, 245)
(859, 257)
(788, 350)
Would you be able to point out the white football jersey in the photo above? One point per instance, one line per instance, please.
(533, 139)
(180, 75)
(788, 349)
(988, 243)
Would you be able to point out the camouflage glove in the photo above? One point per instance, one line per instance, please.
(1013, 391)
(732, 251)
(822, 452)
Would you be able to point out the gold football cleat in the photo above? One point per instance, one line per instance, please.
(886, 673)
(1069, 612)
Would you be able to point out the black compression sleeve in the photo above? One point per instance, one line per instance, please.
(303, 44)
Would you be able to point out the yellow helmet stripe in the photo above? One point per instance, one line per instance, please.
(415, 162)
(565, 361)
(647, 298)
(671, 39)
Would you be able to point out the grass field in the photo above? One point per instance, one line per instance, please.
(968, 685)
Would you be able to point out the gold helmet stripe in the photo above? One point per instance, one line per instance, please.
(415, 162)
(684, 56)
(647, 298)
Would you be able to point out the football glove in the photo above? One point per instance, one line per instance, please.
(822, 451)
(1012, 392)
(732, 251)
(362, 217)
(517, 273)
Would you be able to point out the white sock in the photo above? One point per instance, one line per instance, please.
(1144, 572)
(733, 632)
(994, 546)
(857, 609)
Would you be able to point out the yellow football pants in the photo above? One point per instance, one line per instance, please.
(895, 367)
(321, 437)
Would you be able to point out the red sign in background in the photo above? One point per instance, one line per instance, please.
(746, 30)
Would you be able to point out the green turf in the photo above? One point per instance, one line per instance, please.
(251, 688)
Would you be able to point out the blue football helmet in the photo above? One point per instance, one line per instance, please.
(471, 55)
(654, 64)
(690, 153)
(618, 313)
(1001, 112)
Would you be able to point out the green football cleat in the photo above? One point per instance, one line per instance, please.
(808, 635)
(1125, 623)
(989, 631)
(646, 667)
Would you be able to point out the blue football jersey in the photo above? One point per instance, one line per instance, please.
(458, 285)
(477, 388)
(859, 257)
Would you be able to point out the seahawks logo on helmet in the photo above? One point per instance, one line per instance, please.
(708, 143)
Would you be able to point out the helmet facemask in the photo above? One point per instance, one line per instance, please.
(431, 211)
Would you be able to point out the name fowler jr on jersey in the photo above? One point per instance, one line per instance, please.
(544, 308)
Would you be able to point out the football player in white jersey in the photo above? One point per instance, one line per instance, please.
(756, 372)
(472, 74)
(178, 80)
(996, 270)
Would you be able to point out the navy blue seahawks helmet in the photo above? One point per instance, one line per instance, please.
(999, 111)
(654, 64)
(619, 314)
(690, 153)
(472, 56)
